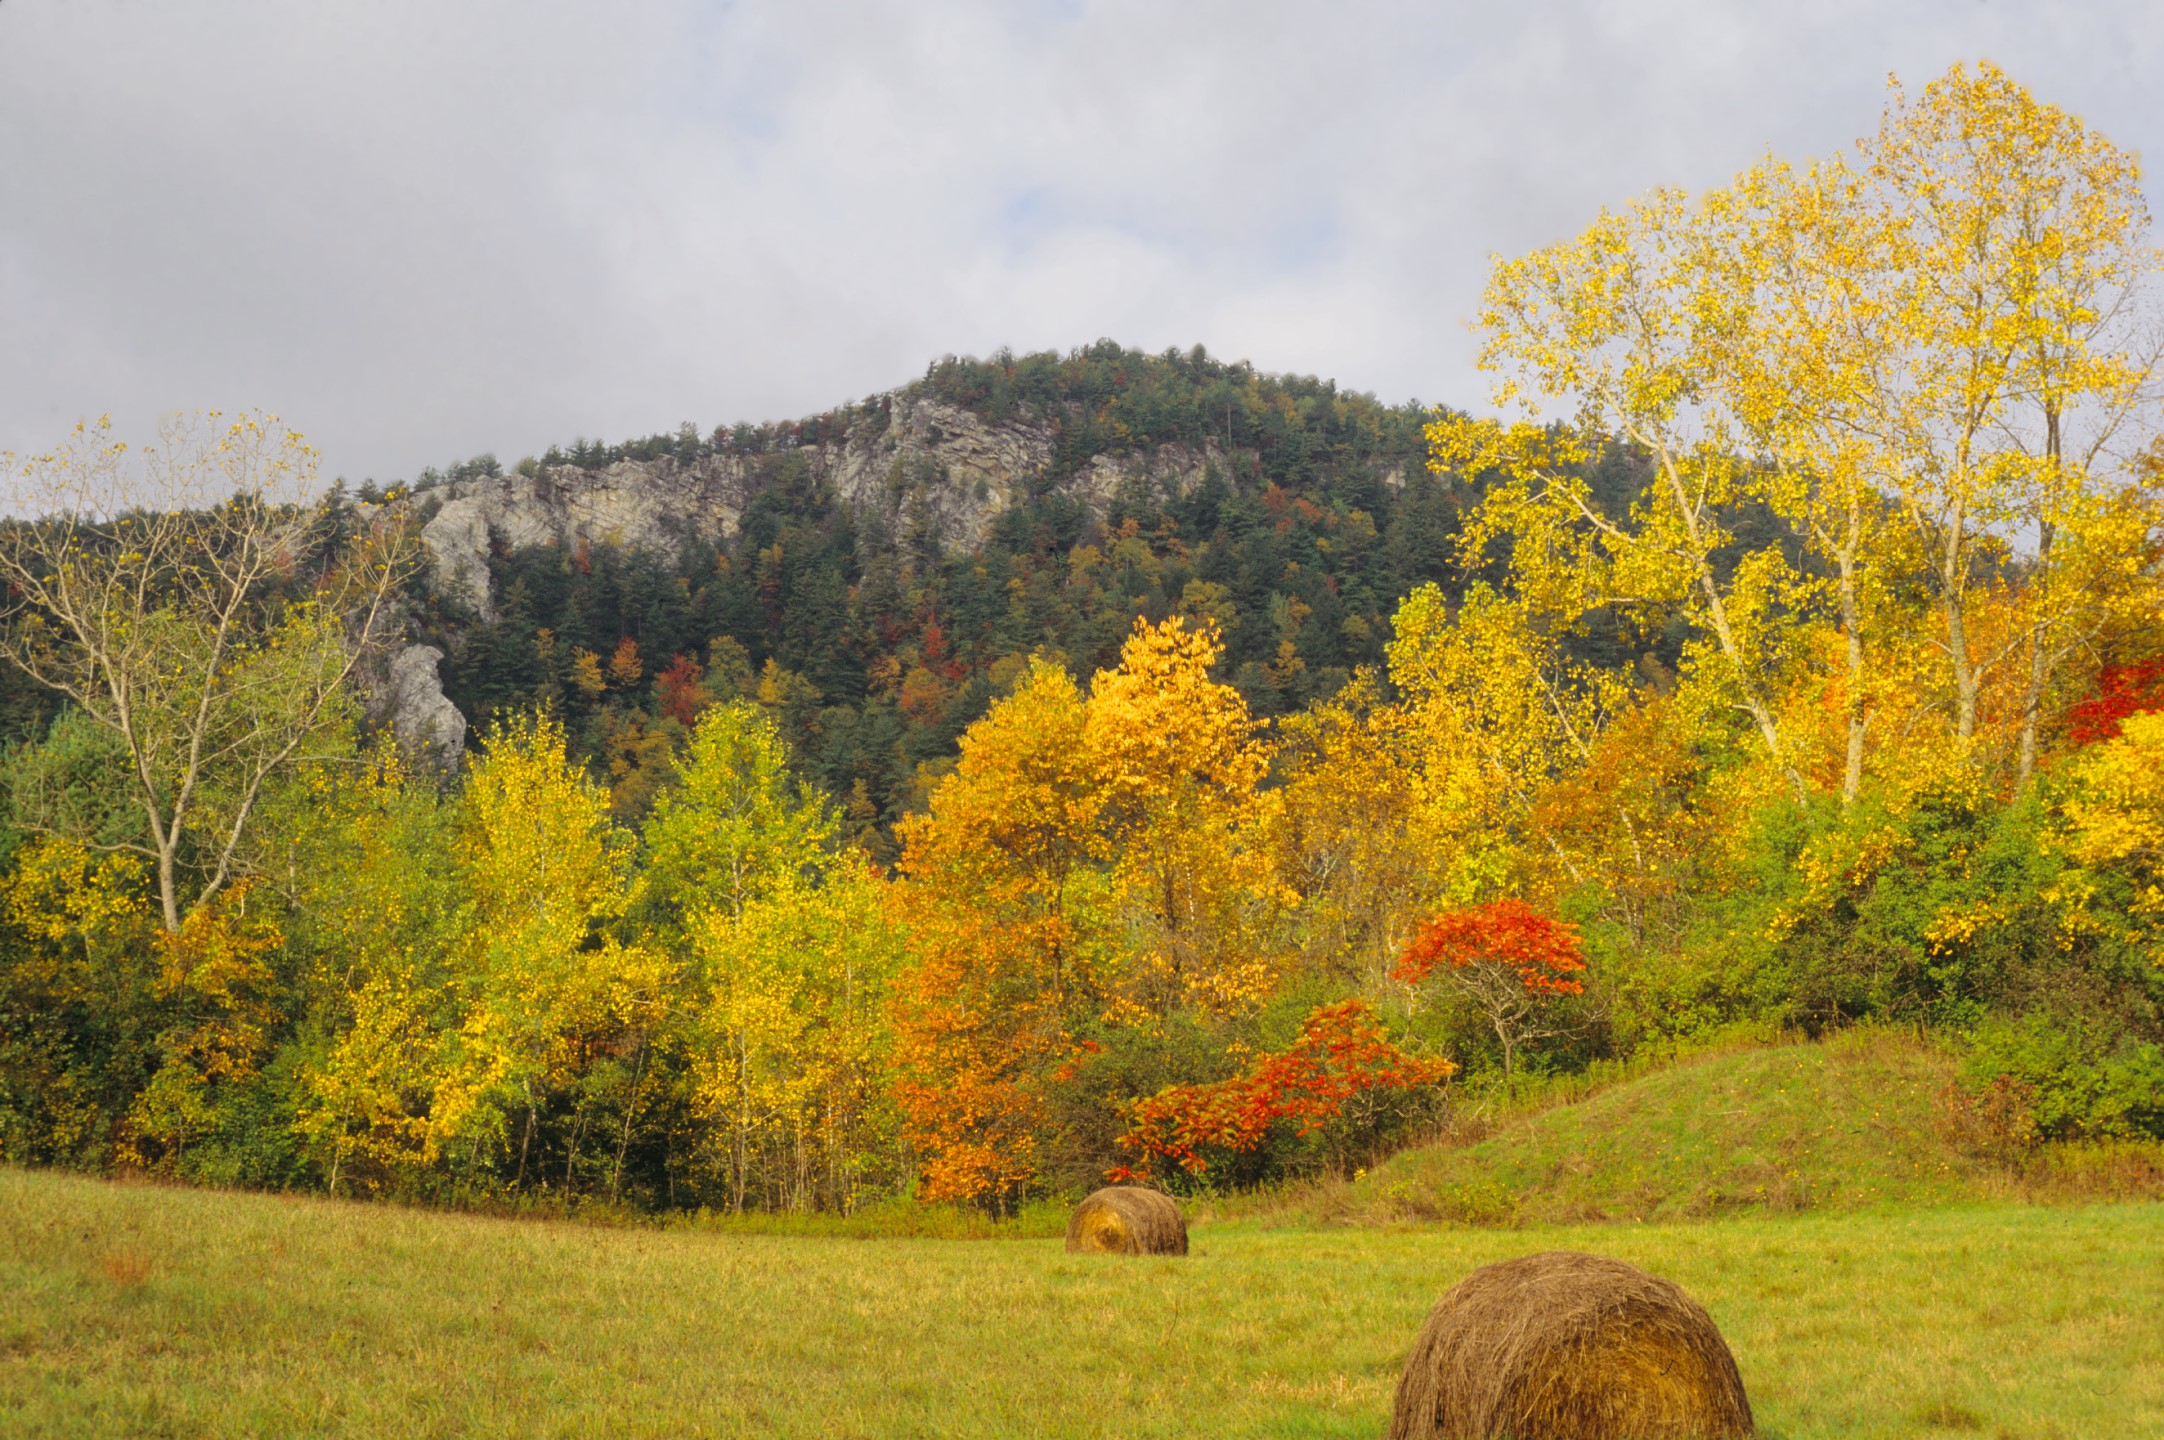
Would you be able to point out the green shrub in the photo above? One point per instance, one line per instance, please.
(2077, 1082)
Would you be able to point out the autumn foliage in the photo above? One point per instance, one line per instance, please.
(1343, 1052)
(1545, 954)
(1795, 636)
(2121, 691)
(1095, 859)
(973, 1055)
(678, 690)
(1508, 959)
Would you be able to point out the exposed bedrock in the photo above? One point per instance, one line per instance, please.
(929, 468)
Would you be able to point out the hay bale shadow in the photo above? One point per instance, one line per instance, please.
(1127, 1220)
(1566, 1346)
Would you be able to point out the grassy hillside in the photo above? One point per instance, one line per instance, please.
(140, 1311)
(1857, 1122)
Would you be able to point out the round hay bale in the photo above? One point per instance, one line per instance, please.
(1564, 1346)
(1127, 1220)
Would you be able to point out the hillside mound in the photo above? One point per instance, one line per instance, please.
(1855, 1122)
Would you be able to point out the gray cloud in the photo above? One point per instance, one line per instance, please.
(420, 230)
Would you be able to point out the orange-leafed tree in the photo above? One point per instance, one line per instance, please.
(1507, 958)
(625, 666)
(975, 1036)
(978, 1016)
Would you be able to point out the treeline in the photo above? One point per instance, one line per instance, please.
(1134, 931)
(1811, 672)
(1101, 399)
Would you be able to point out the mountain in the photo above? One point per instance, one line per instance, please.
(875, 572)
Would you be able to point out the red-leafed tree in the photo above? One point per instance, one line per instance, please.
(2121, 690)
(1507, 958)
(680, 692)
(1342, 1053)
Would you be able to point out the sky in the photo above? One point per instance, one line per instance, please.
(418, 230)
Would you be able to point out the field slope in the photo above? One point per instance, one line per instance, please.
(130, 1310)
(1853, 1123)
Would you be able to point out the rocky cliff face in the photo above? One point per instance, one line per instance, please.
(428, 727)
(925, 466)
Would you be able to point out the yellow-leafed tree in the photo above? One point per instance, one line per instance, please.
(551, 989)
(1181, 763)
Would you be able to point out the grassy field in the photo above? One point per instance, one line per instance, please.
(131, 1310)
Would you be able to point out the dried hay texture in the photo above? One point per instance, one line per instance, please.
(1564, 1346)
(1127, 1220)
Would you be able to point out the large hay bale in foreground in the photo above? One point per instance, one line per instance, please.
(1127, 1220)
(1563, 1346)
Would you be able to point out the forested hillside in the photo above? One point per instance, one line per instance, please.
(1121, 764)
(1296, 519)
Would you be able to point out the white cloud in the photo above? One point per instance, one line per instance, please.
(420, 230)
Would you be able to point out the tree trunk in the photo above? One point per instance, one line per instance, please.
(1717, 612)
(168, 890)
(623, 1142)
(1503, 1035)
(2032, 697)
(1859, 719)
(2032, 700)
(743, 1116)
(525, 1144)
(1952, 578)
(1957, 646)
(571, 1151)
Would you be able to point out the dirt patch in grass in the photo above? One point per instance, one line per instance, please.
(124, 1269)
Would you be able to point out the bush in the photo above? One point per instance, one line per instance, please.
(2076, 1082)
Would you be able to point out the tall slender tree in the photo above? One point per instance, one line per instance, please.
(188, 605)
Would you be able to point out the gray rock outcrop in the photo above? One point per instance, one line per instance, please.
(927, 467)
(429, 728)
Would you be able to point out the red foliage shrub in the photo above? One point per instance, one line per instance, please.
(1341, 1052)
(1509, 960)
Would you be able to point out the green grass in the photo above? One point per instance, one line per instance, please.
(133, 1310)
(1855, 1123)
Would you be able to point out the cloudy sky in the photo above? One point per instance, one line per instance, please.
(421, 229)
